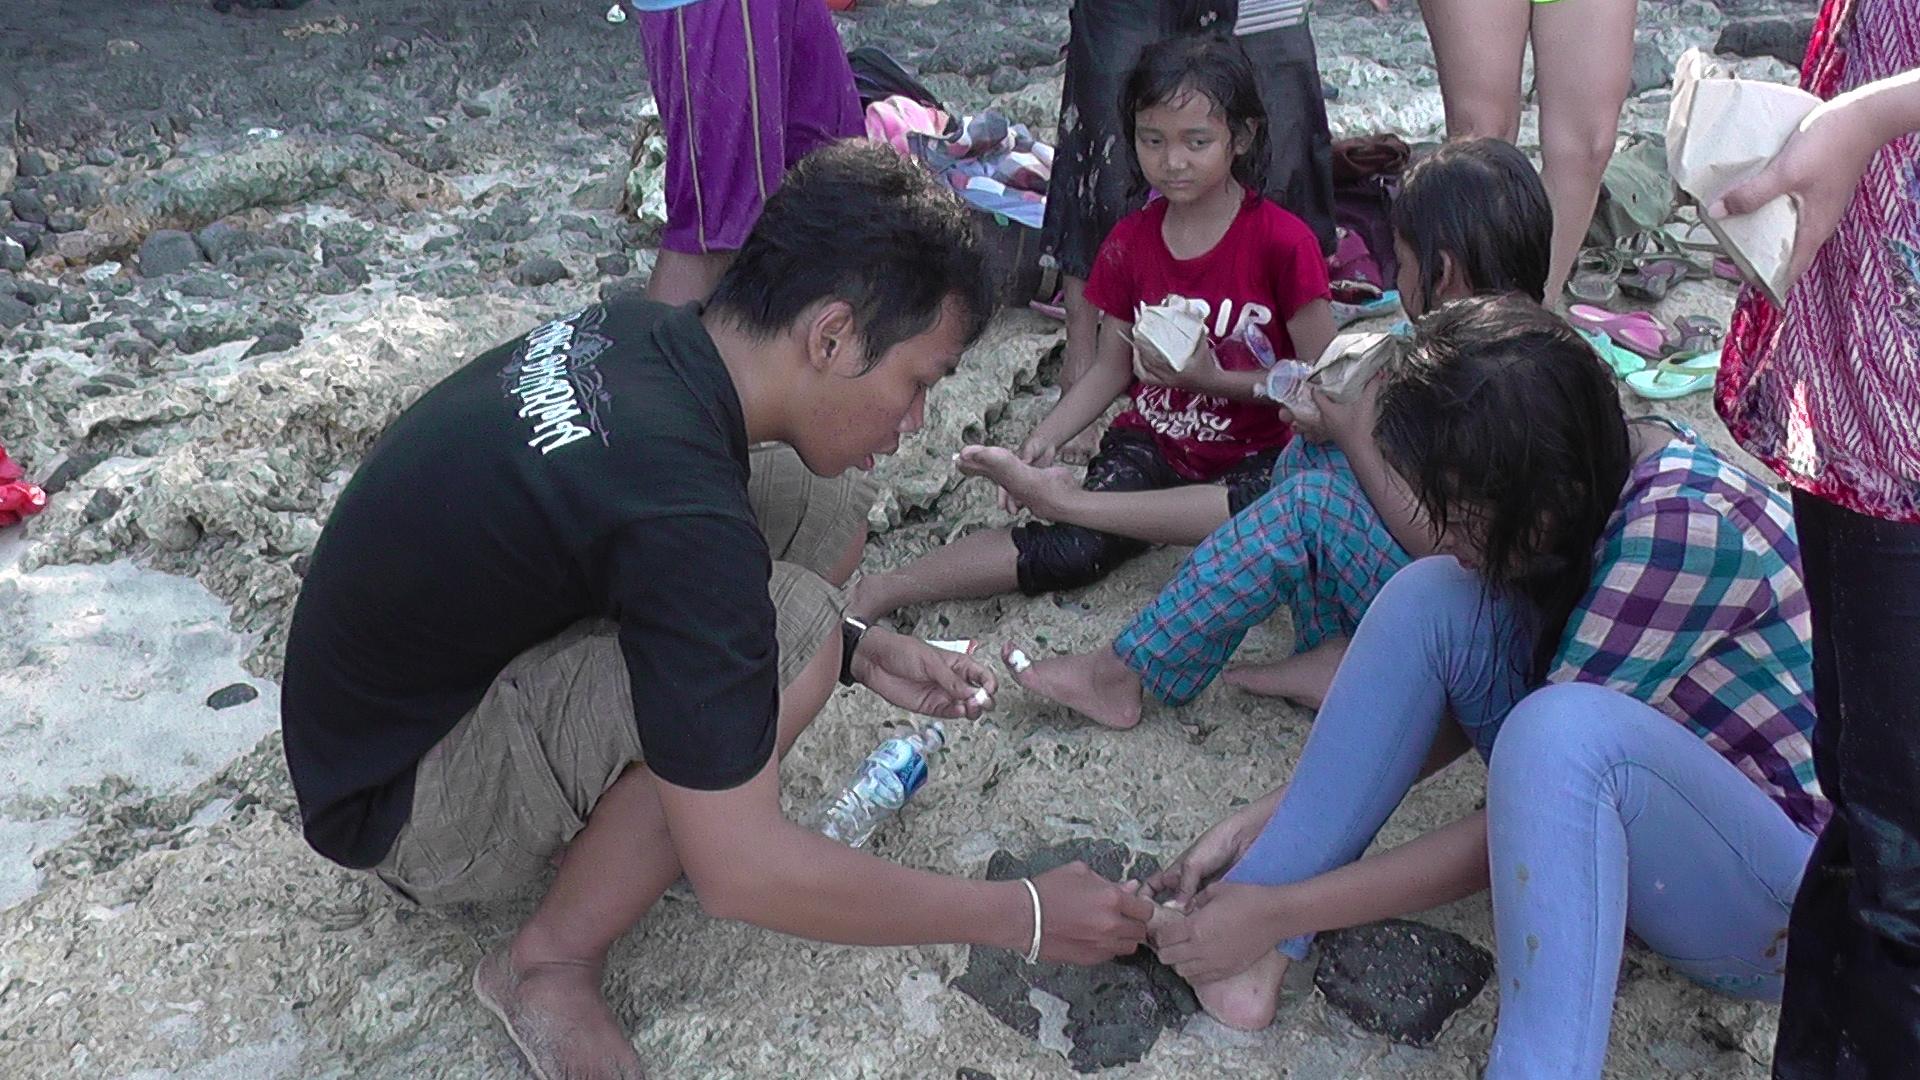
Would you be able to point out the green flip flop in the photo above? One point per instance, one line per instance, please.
(1676, 376)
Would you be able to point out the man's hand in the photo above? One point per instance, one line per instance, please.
(1226, 930)
(920, 678)
(1086, 919)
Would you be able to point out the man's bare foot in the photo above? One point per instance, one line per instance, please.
(1246, 1001)
(557, 1017)
(1042, 491)
(1096, 685)
(1301, 679)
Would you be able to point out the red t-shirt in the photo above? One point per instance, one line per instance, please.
(1263, 271)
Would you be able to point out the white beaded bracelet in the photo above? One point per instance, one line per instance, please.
(1033, 951)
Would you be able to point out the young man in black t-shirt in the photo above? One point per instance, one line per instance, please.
(564, 609)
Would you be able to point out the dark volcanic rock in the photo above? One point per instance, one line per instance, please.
(29, 206)
(1651, 70)
(540, 270)
(104, 504)
(279, 337)
(222, 241)
(12, 255)
(72, 190)
(35, 293)
(228, 696)
(1115, 1011)
(1399, 978)
(32, 164)
(615, 265)
(26, 234)
(13, 312)
(168, 251)
(1781, 36)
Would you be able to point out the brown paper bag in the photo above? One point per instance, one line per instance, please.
(1721, 132)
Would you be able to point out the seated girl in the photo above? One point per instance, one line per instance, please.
(1619, 626)
(1471, 218)
(1198, 132)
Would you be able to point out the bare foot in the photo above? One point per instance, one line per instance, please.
(557, 1017)
(1041, 491)
(1246, 1001)
(1080, 449)
(1301, 679)
(1096, 685)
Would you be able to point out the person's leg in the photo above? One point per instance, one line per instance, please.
(1821, 937)
(1852, 1004)
(1583, 67)
(1034, 558)
(1603, 815)
(723, 153)
(1300, 164)
(817, 522)
(1432, 649)
(1313, 543)
(1083, 331)
(1478, 46)
(820, 103)
(545, 985)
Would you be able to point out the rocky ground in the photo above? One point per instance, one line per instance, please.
(235, 246)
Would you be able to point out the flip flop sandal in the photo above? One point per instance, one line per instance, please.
(1725, 270)
(1691, 236)
(1596, 277)
(1697, 334)
(1620, 360)
(1655, 277)
(1676, 377)
(1635, 331)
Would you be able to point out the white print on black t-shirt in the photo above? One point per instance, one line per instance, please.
(553, 377)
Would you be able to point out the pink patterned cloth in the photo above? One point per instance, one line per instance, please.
(1828, 392)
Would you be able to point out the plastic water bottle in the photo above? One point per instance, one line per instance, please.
(886, 780)
(1287, 380)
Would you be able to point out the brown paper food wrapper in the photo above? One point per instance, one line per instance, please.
(1721, 132)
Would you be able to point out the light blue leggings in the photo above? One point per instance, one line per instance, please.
(1603, 815)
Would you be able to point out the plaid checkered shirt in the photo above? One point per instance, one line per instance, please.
(1698, 608)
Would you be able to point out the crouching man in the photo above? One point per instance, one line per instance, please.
(564, 607)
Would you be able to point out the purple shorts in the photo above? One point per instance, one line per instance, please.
(745, 89)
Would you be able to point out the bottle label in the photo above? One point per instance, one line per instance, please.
(904, 761)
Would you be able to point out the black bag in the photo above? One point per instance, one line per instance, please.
(877, 76)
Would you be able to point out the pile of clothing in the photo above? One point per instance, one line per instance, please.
(995, 165)
(18, 499)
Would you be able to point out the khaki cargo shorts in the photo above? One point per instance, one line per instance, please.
(496, 799)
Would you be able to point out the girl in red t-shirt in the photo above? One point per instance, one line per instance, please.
(1199, 135)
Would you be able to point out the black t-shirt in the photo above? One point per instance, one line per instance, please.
(596, 467)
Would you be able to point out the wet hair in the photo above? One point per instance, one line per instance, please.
(1215, 67)
(855, 221)
(1480, 201)
(1504, 421)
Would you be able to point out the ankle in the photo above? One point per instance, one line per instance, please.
(535, 944)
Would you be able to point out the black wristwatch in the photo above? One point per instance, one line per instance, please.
(851, 631)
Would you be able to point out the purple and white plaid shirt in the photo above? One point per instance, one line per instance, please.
(1698, 608)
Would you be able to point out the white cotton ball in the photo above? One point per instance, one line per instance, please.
(981, 697)
(1018, 661)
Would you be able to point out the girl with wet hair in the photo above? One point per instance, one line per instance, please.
(1619, 627)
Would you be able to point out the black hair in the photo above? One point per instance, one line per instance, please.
(855, 221)
(1480, 201)
(1215, 67)
(1504, 421)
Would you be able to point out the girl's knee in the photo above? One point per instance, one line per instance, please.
(1584, 151)
(1553, 727)
(1436, 586)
